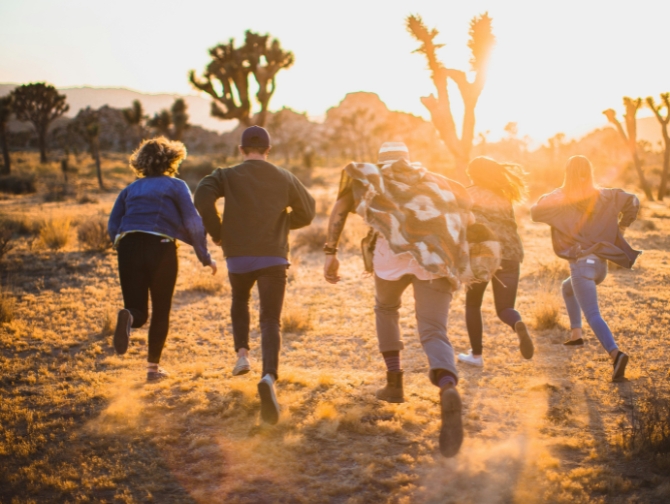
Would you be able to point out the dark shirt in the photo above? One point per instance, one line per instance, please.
(577, 231)
(256, 217)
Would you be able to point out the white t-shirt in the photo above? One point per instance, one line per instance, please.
(391, 266)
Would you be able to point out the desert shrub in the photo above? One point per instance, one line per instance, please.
(21, 226)
(554, 271)
(311, 238)
(55, 192)
(6, 239)
(649, 432)
(55, 233)
(547, 310)
(87, 199)
(296, 320)
(17, 184)
(6, 306)
(92, 235)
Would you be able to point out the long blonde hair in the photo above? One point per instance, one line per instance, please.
(578, 185)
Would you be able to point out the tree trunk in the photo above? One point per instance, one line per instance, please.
(98, 169)
(5, 151)
(42, 139)
(643, 182)
(662, 189)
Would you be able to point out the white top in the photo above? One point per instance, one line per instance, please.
(391, 266)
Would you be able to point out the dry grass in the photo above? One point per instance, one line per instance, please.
(55, 233)
(92, 235)
(78, 423)
(7, 306)
(296, 320)
(547, 310)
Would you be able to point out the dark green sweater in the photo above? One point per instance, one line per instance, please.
(256, 219)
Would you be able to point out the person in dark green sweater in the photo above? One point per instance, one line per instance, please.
(254, 236)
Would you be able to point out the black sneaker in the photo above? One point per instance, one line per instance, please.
(451, 432)
(574, 342)
(619, 365)
(122, 331)
(525, 343)
(269, 404)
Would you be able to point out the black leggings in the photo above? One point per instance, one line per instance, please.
(271, 287)
(505, 285)
(148, 264)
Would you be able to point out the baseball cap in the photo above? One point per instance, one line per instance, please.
(255, 136)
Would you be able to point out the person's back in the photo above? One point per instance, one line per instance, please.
(257, 196)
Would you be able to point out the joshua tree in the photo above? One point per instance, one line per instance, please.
(161, 122)
(231, 66)
(632, 107)
(665, 99)
(5, 112)
(134, 116)
(40, 104)
(481, 44)
(87, 126)
(179, 118)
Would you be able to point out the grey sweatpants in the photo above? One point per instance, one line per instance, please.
(431, 302)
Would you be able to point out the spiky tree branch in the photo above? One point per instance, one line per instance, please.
(40, 104)
(630, 137)
(481, 44)
(134, 116)
(231, 66)
(665, 102)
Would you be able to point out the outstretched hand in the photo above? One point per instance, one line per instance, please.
(213, 266)
(331, 269)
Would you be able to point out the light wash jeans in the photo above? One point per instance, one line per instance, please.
(432, 299)
(580, 295)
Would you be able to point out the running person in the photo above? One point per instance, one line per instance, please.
(587, 228)
(148, 217)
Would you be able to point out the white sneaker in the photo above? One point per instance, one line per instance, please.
(242, 366)
(269, 404)
(468, 358)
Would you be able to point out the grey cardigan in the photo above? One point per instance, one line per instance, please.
(576, 234)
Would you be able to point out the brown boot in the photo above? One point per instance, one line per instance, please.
(393, 392)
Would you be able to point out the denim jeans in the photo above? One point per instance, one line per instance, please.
(505, 286)
(271, 287)
(580, 295)
(432, 299)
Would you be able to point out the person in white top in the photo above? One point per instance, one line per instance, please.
(395, 271)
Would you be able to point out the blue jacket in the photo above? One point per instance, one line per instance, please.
(575, 233)
(161, 205)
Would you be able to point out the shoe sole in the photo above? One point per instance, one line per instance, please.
(525, 343)
(620, 369)
(241, 371)
(392, 400)
(470, 363)
(122, 332)
(153, 377)
(451, 432)
(269, 406)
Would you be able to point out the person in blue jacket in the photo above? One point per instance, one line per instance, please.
(587, 228)
(148, 217)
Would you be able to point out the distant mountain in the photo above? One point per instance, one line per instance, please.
(79, 98)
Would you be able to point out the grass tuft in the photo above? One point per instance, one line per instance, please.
(296, 320)
(7, 305)
(547, 310)
(55, 233)
(92, 235)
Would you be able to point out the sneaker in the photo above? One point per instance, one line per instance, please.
(122, 331)
(574, 342)
(269, 405)
(156, 374)
(451, 432)
(468, 358)
(242, 366)
(619, 365)
(525, 343)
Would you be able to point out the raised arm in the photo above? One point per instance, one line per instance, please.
(209, 190)
(547, 207)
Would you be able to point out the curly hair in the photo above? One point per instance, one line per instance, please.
(157, 156)
(507, 180)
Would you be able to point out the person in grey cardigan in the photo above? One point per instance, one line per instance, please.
(587, 229)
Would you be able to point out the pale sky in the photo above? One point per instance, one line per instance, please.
(557, 65)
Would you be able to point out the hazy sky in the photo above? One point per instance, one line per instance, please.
(557, 65)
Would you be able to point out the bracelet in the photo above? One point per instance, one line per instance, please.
(329, 250)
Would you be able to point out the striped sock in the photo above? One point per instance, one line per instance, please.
(392, 360)
(445, 379)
